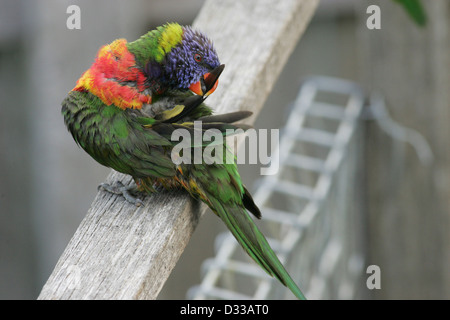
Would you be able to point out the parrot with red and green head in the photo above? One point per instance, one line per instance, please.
(125, 107)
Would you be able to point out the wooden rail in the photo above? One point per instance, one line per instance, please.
(120, 251)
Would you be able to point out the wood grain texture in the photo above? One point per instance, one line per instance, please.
(124, 252)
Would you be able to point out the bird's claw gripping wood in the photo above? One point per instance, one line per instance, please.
(120, 189)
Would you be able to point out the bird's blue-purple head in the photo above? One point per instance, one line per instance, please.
(183, 58)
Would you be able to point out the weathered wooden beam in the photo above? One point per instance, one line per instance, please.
(124, 252)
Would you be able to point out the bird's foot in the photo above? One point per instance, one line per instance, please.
(125, 191)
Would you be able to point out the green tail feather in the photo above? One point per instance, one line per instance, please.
(254, 243)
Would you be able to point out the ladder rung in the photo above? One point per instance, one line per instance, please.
(315, 136)
(221, 293)
(305, 162)
(294, 189)
(277, 215)
(326, 110)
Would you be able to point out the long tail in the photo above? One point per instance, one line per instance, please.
(254, 243)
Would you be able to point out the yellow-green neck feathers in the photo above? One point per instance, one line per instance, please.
(157, 43)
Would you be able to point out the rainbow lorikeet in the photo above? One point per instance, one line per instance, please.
(124, 109)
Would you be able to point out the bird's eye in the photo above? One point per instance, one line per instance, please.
(198, 57)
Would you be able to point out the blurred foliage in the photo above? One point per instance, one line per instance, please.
(415, 10)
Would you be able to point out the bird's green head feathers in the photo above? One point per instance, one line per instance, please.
(177, 56)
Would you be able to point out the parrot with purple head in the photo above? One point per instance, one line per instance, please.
(125, 107)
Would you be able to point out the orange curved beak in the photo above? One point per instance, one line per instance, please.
(208, 82)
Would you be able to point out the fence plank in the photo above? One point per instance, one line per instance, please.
(408, 200)
(123, 252)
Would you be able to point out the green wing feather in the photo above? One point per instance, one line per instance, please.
(116, 139)
(137, 142)
(220, 187)
(254, 243)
